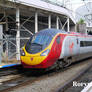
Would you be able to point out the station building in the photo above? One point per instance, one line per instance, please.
(20, 19)
(85, 13)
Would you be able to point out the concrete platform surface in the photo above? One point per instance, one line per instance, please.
(88, 88)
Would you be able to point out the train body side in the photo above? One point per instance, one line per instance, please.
(62, 47)
(85, 46)
(71, 47)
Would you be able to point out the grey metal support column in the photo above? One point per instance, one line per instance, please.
(49, 21)
(18, 34)
(1, 43)
(57, 22)
(36, 22)
(68, 25)
(75, 27)
(6, 22)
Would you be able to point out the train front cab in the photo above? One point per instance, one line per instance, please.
(41, 51)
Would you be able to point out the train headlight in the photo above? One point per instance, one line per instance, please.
(22, 52)
(45, 53)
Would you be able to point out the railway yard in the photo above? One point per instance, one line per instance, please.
(45, 46)
(19, 80)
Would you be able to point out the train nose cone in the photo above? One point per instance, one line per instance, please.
(32, 59)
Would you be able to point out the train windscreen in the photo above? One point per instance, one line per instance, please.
(37, 43)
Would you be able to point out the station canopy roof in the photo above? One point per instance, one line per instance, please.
(47, 6)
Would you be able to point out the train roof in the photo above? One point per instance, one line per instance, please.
(51, 32)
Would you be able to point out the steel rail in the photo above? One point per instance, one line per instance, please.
(69, 83)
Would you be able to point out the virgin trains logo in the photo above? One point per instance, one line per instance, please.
(31, 59)
(71, 47)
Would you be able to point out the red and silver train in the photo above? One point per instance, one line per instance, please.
(51, 48)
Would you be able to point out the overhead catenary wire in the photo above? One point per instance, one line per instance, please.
(79, 14)
(86, 6)
(82, 16)
(87, 10)
(76, 13)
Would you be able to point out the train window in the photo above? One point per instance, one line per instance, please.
(37, 43)
(81, 43)
(58, 39)
(85, 43)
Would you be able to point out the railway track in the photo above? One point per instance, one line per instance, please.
(18, 76)
(9, 70)
(69, 83)
(25, 77)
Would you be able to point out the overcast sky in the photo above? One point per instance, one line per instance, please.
(73, 4)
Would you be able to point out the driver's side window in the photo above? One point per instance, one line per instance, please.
(58, 40)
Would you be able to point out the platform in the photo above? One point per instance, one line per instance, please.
(8, 65)
(88, 88)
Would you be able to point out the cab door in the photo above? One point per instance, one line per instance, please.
(58, 45)
(75, 48)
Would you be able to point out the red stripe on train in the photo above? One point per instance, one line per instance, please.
(53, 55)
